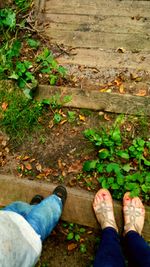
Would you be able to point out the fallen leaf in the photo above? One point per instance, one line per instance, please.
(121, 50)
(121, 89)
(62, 122)
(4, 143)
(135, 77)
(38, 167)
(71, 246)
(40, 176)
(4, 106)
(31, 160)
(28, 166)
(7, 149)
(76, 167)
(128, 128)
(106, 117)
(117, 82)
(81, 117)
(47, 171)
(51, 124)
(141, 92)
(72, 181)
(60, 165)
(25, 158)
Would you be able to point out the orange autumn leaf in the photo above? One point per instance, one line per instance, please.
(28, 166)
(72, 246)
(4, 106)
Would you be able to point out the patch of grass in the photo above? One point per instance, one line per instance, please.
(18, 115)
(123, 165)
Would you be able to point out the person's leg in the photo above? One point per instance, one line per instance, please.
(109, 253)
(44, 216)
(19, 207)
(23, 208)
(138, 251)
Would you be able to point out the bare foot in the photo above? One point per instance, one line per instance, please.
(103, 207)
(134, 214)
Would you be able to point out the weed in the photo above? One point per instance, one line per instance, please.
(71, 116)
(122, 167)
(47, 64)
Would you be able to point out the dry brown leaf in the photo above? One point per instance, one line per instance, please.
(38, 167)
(142, 92)
(76, 167)
(4, 143)
(71, 246)
(4, 106)
(117, 82)
(62, 122)
(32, 160)
(106, 117)
(121, 50)
(25, 158)
(51, 124)
(72, 181)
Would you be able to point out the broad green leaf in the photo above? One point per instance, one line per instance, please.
(70, 236)
(115, 186)
(103, 153)
(89, 165)
(100, 167)
(113, 167)
(77, 237)
(123, 154)
(105, 184)
(126, 167)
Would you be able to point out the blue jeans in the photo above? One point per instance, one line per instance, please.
(109, 253)
(43, 217)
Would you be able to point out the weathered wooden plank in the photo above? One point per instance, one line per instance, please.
(92, 99)
(107, 59)
(86, 23)
(99, 7)
(78, 207)
(100, 39)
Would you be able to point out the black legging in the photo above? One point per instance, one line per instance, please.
(109, 253)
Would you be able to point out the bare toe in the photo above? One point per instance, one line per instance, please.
(103, 207)
(134, 213)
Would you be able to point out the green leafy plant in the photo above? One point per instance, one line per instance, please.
(50, 66)
(121, 167)
(75, 232)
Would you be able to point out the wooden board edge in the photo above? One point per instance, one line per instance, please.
(78, 201)
(95, 100)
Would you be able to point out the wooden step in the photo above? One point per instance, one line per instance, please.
(78, 207)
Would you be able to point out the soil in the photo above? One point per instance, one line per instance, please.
(56, 251)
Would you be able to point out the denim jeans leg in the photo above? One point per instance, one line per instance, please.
(19, 207)
(109, 253)
(44, 216)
